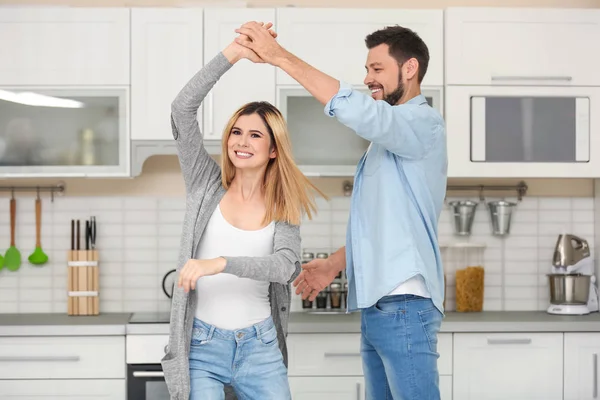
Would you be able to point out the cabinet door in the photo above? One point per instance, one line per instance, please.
(245, 81)
(516, 366)
(330, 388)
(64, 46)
(521, 46)
(581, 366)
(333, 40)
(446, 387)
(104, 389)
(166, 52)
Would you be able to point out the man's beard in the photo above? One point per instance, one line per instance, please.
(393, 98)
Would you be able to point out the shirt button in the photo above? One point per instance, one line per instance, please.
(283, 308)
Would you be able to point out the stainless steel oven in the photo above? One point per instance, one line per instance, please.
(147, 339)
(146, 382)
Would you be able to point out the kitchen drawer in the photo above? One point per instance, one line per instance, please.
(62, 357)
(146, 349)
(101, 389)
(339, 354)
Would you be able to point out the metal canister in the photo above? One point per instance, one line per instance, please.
(307, 257)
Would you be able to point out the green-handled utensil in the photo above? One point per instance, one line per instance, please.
(12, 258)
(38, 257)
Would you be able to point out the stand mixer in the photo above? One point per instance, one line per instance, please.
(572, 281)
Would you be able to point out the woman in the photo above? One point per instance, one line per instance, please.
(240, 248)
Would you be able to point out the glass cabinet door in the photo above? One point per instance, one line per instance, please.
(63, 132)
(540, 129)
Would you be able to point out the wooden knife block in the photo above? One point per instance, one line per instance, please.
(82, 282)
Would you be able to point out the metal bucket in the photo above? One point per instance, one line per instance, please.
(500, 215)
(569, 288)
(463, 213)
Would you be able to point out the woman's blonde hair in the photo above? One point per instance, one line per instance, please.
(286, 188)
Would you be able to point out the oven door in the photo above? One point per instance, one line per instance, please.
(146, 382)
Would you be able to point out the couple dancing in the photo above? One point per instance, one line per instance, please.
(241, 242)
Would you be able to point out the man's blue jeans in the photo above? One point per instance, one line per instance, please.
(248, 359)
(399, 349)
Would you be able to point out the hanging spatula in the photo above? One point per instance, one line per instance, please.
(12, 258)
(38, 257)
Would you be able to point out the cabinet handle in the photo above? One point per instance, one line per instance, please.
(342, 354)
(358, 391)
(210, 114)
(595, 389)
(509, 341)
(39, 358)
(148, 374)
(532, 78)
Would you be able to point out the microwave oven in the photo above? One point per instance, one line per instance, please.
(523, 131)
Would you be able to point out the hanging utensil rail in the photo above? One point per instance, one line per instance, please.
(58, 188)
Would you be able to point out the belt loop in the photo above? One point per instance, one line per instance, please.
(257, 329)
(211, 331)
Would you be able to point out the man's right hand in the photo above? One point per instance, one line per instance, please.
(315, 277)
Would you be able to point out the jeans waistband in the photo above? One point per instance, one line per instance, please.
(253, 331)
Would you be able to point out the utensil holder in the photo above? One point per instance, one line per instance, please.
(82, 282)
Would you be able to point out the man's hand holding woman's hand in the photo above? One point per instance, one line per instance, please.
(236, 51)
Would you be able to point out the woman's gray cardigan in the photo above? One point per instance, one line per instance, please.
(202, 177)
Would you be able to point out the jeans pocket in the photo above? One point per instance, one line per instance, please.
(199, 336)
(431, 320)
(269, 338)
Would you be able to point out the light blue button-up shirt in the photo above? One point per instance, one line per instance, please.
(398, 194)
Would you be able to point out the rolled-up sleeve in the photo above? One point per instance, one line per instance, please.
(408, 130)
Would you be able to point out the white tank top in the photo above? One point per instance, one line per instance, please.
(225, 300)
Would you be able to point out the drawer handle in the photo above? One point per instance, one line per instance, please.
(509, 341)
(342, 354)
(148, 374)
(532, 78)
(39, 358)
(595, 389)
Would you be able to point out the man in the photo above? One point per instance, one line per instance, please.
(392, 257)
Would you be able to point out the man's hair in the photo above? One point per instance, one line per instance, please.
(403, 44)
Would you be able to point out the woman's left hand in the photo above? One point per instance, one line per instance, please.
(195, 269)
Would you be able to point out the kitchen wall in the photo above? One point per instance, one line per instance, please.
(138, 241)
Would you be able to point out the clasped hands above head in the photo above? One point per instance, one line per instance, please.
(259, 37)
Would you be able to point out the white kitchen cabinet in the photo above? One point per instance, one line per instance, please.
(517, 366)
(333, 40)
(55, 357)
(521, 46)
(245, 81)
(166, 52)
(327, 388)
(581, 366)
(64, 46)
(102, 389)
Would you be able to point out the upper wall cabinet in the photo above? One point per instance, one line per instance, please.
(520, 46)
(245, 81)
(166, 51)
(64, 46)
(333, 40)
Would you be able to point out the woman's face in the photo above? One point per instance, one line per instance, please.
(249, 143)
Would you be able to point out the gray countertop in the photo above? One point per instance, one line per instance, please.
(300, 322)
(63, 325)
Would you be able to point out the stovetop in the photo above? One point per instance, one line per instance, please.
(150, 318)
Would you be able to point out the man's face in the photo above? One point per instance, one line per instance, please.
(384, 76)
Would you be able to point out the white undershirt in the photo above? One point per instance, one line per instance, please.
(225, 300)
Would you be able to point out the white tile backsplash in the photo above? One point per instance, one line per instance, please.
(138, 240)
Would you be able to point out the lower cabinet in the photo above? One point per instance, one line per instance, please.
(582, 351)
(59, 389)
(516, 366)
(327, 388)
(329, 366)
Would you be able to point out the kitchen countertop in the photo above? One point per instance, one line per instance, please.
(63, 325)
(300, 322)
